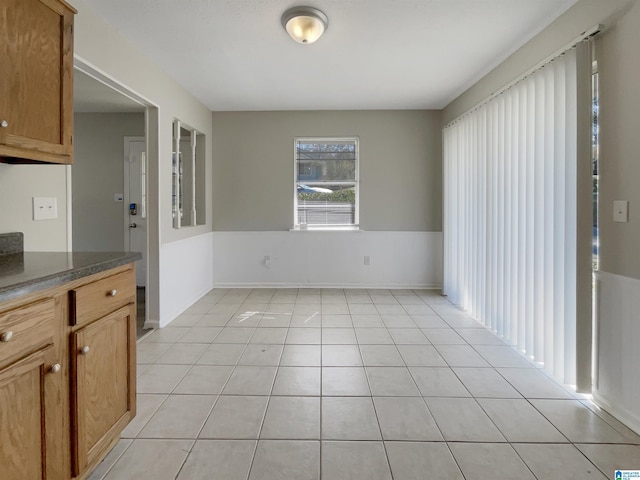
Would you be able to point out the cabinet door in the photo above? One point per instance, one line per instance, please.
(22, 418)
(36, 99)
(103, 359)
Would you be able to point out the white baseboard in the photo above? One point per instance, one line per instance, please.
(401, 286)
(626, 416)
(151, 324)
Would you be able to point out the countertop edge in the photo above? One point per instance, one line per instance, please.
(44, 282)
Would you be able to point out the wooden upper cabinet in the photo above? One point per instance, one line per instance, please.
(36, 84)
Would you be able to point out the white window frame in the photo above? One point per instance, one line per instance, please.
(356, 183)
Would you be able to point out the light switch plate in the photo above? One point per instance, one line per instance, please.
(45, 208)
(118, 197)
(620, 211)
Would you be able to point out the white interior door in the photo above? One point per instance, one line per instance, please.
(135, 179)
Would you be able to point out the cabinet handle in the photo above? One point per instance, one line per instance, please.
(56, 368)
(112, 293)
(4, 124)
(85, 350)
(6, 336)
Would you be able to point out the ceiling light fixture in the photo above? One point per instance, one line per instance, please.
(304, 24)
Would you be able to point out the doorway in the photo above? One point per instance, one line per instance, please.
(109, 175)
(135, 217)
(135, 202)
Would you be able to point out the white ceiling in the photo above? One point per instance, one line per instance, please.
(376, 54)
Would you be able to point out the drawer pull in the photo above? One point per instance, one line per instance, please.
(56, 368)
(85, 350)
(6, 336)
(4, 124)
(112, 293)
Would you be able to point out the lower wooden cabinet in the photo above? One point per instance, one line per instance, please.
(67, 381)
(103, 390)
(23, 455)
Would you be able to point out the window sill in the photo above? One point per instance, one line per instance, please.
(327, 228)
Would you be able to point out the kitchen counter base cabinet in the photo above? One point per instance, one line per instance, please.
(103, 389)
(67, 388)
(24, 411)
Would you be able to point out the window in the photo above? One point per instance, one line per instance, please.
(188, 196)
(326, 182)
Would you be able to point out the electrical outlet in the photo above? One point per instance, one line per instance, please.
(621, 211)
(45, 208)
(267, 261)
(367, 260)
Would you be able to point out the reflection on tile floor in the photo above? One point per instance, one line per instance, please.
(360, 384)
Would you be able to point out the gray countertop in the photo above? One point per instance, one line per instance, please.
(29, 272)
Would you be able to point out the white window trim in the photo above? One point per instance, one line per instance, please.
(337, 228)
(327, 228)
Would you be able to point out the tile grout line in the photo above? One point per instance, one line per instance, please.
(321, 396)
(508, 442)
(264, 415)
(210, 410)
(255, 449)
(114, 462)
(217, 397)
(611, 424)
(471, 396)
(375, 411)
(321, 393)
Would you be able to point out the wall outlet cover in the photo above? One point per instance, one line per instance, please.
(45, 208)
(621, 211)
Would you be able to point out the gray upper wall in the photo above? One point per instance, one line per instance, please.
(97, 174)
(617, 52)
(584, 15)
(400, 167)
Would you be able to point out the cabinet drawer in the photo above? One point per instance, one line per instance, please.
(95, 300)
(26, 329)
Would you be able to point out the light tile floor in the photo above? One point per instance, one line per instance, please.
(352, 384)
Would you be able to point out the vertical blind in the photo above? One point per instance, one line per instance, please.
(510, 215)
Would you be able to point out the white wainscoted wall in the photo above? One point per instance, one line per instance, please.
(185, 275)
(617, 382)
(327, 259)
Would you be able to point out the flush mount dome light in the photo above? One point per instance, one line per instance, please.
(304, 24)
